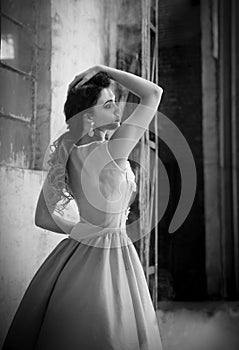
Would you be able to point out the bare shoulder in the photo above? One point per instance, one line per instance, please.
(80, 150)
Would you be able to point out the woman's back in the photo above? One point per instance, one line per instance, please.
(101, 188)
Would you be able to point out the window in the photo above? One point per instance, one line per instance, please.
(21, 56)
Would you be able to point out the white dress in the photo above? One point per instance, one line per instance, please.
(91, 292)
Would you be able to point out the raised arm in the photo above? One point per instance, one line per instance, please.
(132, 129)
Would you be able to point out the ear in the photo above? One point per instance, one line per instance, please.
(88, 117)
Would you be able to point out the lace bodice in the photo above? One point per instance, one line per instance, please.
(102, 189)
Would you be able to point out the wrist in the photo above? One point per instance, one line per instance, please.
(105, 69)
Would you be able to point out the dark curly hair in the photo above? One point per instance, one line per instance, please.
(86, 96)
(78, 100)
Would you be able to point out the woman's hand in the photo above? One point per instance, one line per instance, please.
(84, 76)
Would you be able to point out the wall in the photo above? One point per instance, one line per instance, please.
(78, 41)
(183, 252)
(23, 246)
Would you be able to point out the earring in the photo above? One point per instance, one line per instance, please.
(91, 131)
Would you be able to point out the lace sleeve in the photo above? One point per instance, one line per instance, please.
(58, 192)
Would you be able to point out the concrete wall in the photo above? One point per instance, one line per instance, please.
(23, 246)
(77, 41)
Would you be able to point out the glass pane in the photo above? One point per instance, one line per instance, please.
(16, 94)
(21, 10)
(16, 47)
(15, 146)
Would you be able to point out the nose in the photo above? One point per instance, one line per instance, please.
(117, 110)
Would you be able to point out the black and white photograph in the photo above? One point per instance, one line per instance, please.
(119, 175)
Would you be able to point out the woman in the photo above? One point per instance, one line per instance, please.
(91, 292)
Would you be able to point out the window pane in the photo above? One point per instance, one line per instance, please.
(15, 147)
(21, 10)
(16, 94)
(16, 46)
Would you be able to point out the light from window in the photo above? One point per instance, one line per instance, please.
(7, 47)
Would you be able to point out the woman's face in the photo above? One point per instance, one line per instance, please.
(106, 111)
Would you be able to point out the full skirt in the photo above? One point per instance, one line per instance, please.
(89, 298)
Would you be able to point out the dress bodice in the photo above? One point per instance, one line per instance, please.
(102, 189)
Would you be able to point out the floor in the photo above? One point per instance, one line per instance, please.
(199, 326)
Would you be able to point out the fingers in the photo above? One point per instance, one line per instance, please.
(82, 78)
(86, 78)
(79, 81)
(75, 81)
(82, 82)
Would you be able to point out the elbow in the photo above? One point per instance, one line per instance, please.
(154, 92)
(156, 95)
(158, 91)
(153, 98)
(43, 219)
(38, 220)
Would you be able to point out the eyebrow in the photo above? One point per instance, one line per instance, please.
(111, 100)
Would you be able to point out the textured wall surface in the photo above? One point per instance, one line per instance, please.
(78, 41)
(23, 245)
